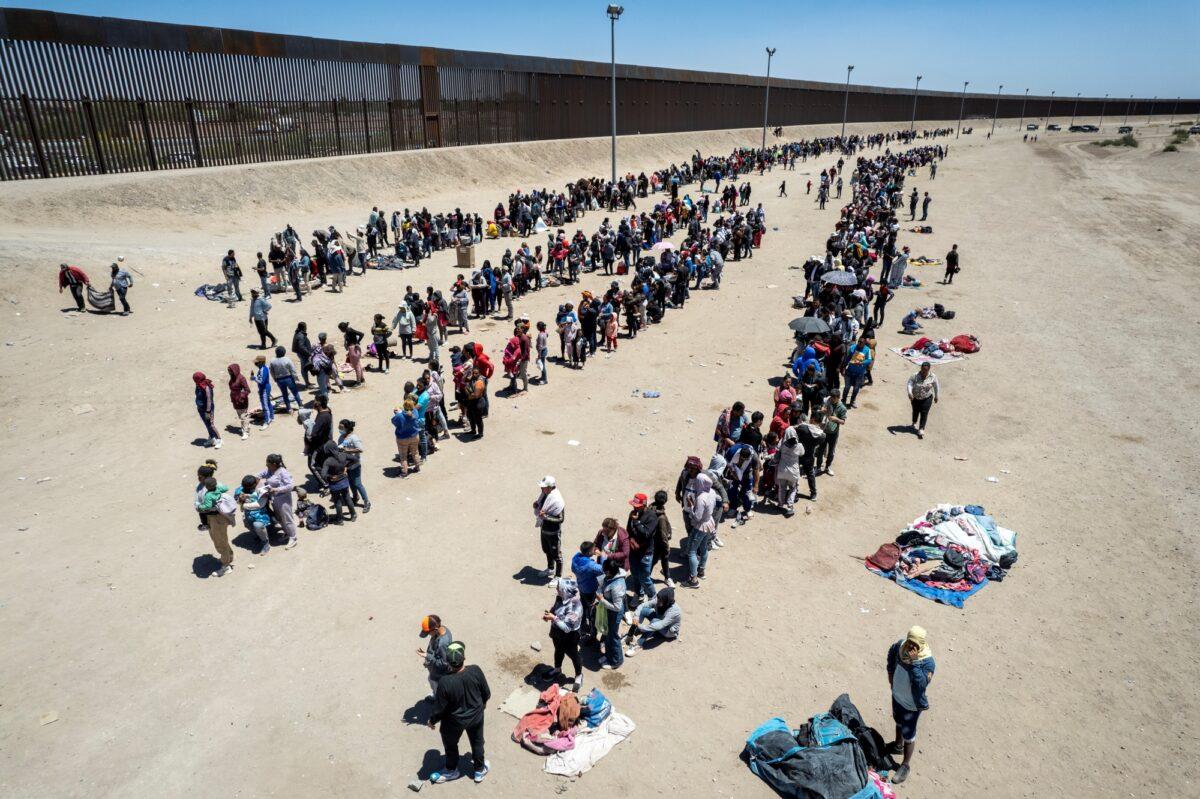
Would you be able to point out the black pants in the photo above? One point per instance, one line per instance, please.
(566, 646)
(826, 450)
(808, 468)
(552, 548)
(77, 293)
(120, 292)
(406, 345)
(920, 411)
(452, 733)
(949, 276)
(264, 333)
(878, 315)
(587, 629)
(475, 417)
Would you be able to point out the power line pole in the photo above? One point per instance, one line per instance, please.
(613, 13)
(912, 126)
(1050, 107)
(767, 101)
(961, 106)
(997, 109)
(846, 102)
(1102, 104)
(1025, 100)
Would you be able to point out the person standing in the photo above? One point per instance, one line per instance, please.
(549, 512)
(404, 323)
(302, 347)
(858, 361)
(810, 435)
(922, 393)
(436, 653)
(475, 388)
(951, 265)
(264, 280)
(206, 407)
(642, 525)
(458, 705)
(262, 377)
(283, 372)
(925, 207)
(612, 598)
(408, 451)
(701, 512)
(586, 567)
(260, 308)
(912, 205)
(239, 397)
(233, 277)
(566, 617)
(121, 282)
(280, 485)
(662, 538)
(910, 667)
(835, 417)
(215, 522)
(351, 447)
(74, 278)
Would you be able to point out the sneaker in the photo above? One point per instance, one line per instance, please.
(479, 775)
(547, 573)
(829, 473)
(224, 570)
(202, 528)
(920, 434)
(353, 517)
(367, 508)
(691, 582)
(265, 549)
(245, 436)
(670, 583)
(632, 651)
(900, 775)
(700, 573)
(449, 776)
(629, 617)
(576, 686)
(553, 583)
(291, 544)
(749, 516)
(718, 543)
(217, 442)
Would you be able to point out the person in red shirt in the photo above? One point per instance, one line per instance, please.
(74, 278)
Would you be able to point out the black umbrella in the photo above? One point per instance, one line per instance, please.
(808, 325)
(840, 278)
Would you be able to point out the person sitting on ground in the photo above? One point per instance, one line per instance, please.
(657, 619)
(909, 324)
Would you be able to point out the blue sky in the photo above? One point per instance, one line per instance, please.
(1145, 48)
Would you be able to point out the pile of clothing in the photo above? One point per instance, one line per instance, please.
(911, 282)
(958, 345)
(834, 755)
(573, 733)
(386, 262)
(948, 554)
(213, 291)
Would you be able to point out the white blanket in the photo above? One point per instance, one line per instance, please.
(966, 530)
(590, 746)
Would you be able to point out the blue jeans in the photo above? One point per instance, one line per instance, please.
(642, 584)
(612, 642)
(356, 484)
(208, 425)
(854, 381)
(264, 399)
(288, 384)
(698, 545)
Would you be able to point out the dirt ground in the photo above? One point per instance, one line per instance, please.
(297, 675)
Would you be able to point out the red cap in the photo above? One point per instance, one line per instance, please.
(639, 500)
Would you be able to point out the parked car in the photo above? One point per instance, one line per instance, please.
(1194, 129)
(1031, 126)
(1083, 129)
(1054, 126)
(1125, 129)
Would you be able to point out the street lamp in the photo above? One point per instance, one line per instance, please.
(1128, 106)
(996, 111)
(1025, 100)
(1050, 107)
(961, 106)
(1103, 103)
(614, 12)
(913, 125)
(1174, 111)
(767, 101)
(1150, 113)
(1074, 109)
(846, 102)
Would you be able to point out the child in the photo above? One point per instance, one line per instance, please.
(254, 512)
(610, 327)
(543, 350)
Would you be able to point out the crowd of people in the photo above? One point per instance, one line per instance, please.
(609, 600)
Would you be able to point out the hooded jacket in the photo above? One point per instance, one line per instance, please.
(239, 388)
(919, 672)
(567, 609)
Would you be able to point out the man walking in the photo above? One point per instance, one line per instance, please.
(459, 703)
(121, 281)
(951, 265)
(74, 278)
(260, 307)
(783, 189)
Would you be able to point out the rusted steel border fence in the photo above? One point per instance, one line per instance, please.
(91, 95)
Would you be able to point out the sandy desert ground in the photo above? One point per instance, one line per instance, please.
(1075, 677)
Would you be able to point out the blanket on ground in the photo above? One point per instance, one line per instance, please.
(918, 357)
(591, 744)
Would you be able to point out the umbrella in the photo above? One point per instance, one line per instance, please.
(664, 245)
(807, 325)
(840, 278)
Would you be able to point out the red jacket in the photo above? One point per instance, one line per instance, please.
(79, 274)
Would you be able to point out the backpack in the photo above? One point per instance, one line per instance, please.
(227, 507)
(965, 343)
(939, 309)
(315, 517)
(595, 708)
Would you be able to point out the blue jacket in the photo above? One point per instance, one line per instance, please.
(918, 672)
(405, 424)
(587, 573)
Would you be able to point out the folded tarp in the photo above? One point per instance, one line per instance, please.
(947, 597)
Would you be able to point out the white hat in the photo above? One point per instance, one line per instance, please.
(548, 482)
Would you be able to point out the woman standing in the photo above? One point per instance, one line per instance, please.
(380, 333)
(206, 407)
(404, 323)
(407, 449)
(433, 332)
(922, 393)
(353, 342)
(352, 448)
(278, 483)
(910, 667)
(262, 377)
(239, 397)
(612, 597)
(476, 390)
(565, 617)
(303, 350)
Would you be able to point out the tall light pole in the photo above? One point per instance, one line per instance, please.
(997, 109)
(1174, 111)
(846, 102)
(614, 12)
(961, 106)
(1150, 113)
(912, 126)
(1050, 107)
(1025, 100)
(1128, 106)
(1102, 104)
(1074, 108)
(767, 101)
